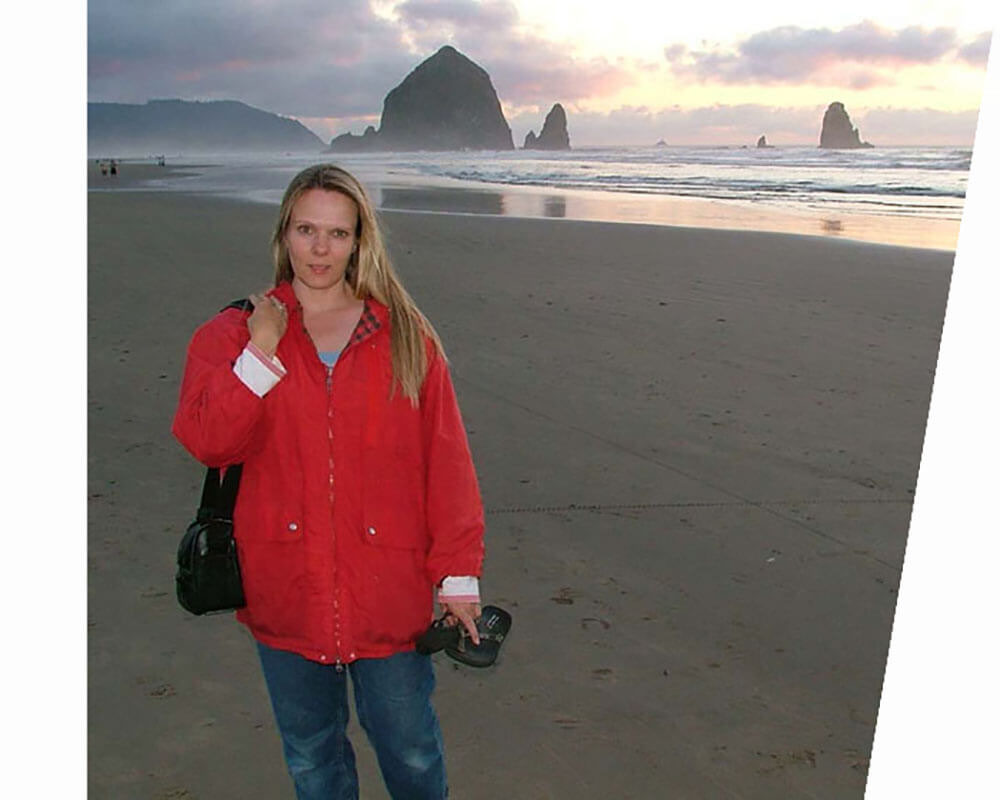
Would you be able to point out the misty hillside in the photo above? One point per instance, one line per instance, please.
(181, 126)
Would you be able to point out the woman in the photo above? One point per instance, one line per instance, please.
(358, 495)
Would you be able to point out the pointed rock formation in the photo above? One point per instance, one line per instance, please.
(762, 142)
(837, 131)
(447, 103)
(554, 135)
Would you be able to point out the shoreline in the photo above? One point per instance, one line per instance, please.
(638, 225)
(538, 202)
(451, 196)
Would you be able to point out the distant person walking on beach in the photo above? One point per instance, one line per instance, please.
(358, 495)
(114, 167)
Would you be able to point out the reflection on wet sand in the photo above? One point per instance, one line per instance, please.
(687, 212)
(555, 206)
(415, 198)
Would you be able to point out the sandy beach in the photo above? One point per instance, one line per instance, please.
(697, 450)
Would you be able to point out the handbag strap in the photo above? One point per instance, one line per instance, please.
(218, 497)
(243, 305)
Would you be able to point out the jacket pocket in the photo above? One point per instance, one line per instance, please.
(268, 509)
(261, 523)
(277, 585)
(394, 504)
(396, 596)
(391, 526)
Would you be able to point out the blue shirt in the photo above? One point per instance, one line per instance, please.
(329, 357)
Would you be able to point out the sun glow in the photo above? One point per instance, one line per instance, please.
(639, 34)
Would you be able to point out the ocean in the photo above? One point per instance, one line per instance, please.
(890, 195)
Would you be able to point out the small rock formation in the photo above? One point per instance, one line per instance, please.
(837, 131)
(554, 135)
(349, 143)
(661, 143)
(762, 142)
(446, 103)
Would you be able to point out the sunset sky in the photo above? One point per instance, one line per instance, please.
(627, 72)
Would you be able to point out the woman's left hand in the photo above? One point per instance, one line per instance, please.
(465, 614)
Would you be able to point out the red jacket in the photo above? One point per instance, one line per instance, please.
(352, 506)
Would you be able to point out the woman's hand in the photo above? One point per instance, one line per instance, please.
(465, 614)
(267, 323)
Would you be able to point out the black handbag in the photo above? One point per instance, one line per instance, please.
(208, 570)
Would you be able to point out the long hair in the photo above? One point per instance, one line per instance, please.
(369, 274)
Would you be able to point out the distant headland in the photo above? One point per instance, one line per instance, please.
(220, 126)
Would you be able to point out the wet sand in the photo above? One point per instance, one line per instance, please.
(697, 450)
(133, 174)
(399, 192)
(662, 209)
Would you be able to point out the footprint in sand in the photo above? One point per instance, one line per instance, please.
(780, 761)
(565, 596)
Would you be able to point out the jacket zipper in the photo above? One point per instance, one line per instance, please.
(338, 662)
(329, 428)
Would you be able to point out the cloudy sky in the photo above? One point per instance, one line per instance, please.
(627, 72)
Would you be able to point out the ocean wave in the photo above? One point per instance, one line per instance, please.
(905, 181)
(692, 184)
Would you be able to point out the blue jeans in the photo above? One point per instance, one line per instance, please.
(393, 699)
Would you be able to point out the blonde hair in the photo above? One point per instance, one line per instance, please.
(369, 274)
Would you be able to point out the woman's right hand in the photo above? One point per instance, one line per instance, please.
(267, 323)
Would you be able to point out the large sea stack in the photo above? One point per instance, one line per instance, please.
(554, 135)
(838, 132)
(447, 103)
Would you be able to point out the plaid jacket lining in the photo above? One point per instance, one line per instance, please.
(367, 325)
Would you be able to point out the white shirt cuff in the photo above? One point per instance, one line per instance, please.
(259, 372)
(463, 589)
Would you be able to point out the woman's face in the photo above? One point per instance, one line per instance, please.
(320, 237)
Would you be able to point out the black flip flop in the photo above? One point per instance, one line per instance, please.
(493, 626)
